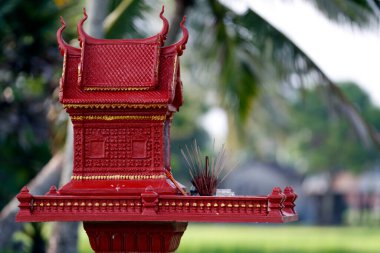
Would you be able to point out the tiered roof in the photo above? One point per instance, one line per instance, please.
(121, 72)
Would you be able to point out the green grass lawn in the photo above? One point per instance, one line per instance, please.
(277, 239)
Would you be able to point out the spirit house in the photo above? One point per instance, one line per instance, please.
(121, 96)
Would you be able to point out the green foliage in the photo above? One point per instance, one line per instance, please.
(248, 52)
(28, 76)
(306, 130)
(32, 238)
(326, 140)
(233, 53)
(120, 22)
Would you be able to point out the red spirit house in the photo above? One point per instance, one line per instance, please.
(121, 96)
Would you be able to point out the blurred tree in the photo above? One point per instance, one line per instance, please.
(32, 127)
(325, 140)
(26, 83)
(310, 133)
(241, 48)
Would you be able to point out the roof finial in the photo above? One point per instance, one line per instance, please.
(185, 36)
(165, 28)
(81, 33)
(63, 23)
(61, 42)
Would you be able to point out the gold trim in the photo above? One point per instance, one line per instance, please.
(118, 177)
(174, 72)
(119, 117)
(116, 89)
(114, 106)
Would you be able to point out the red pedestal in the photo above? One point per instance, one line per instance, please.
(107, 237)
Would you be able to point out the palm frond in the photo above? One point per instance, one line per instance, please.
(121, 20)
(292, 60)
(360, 13)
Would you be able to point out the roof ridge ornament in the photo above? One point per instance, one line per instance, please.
(180, 45)
(80, 30)
(165, 28)
(62, 44)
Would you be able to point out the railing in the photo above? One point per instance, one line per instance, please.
(276, 207)
(109, 204)
(213, 205)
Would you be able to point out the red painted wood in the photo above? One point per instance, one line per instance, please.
(290, 198)
(150, 206)
(135, 236)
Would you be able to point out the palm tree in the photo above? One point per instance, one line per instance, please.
(245, 46)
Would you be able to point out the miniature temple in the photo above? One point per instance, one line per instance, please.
(121, 96)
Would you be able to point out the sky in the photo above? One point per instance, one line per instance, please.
(342, 52)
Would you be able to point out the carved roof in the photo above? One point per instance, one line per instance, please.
(121, 70)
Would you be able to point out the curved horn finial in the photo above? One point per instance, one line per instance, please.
(61, 42)
(165, 28)
(63, 23)
(63, 46)
(81, 32)
(181, 45)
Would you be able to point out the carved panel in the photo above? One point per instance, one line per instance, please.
(96, 148)
(121, 148)
(139, 149)
(78, 151)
